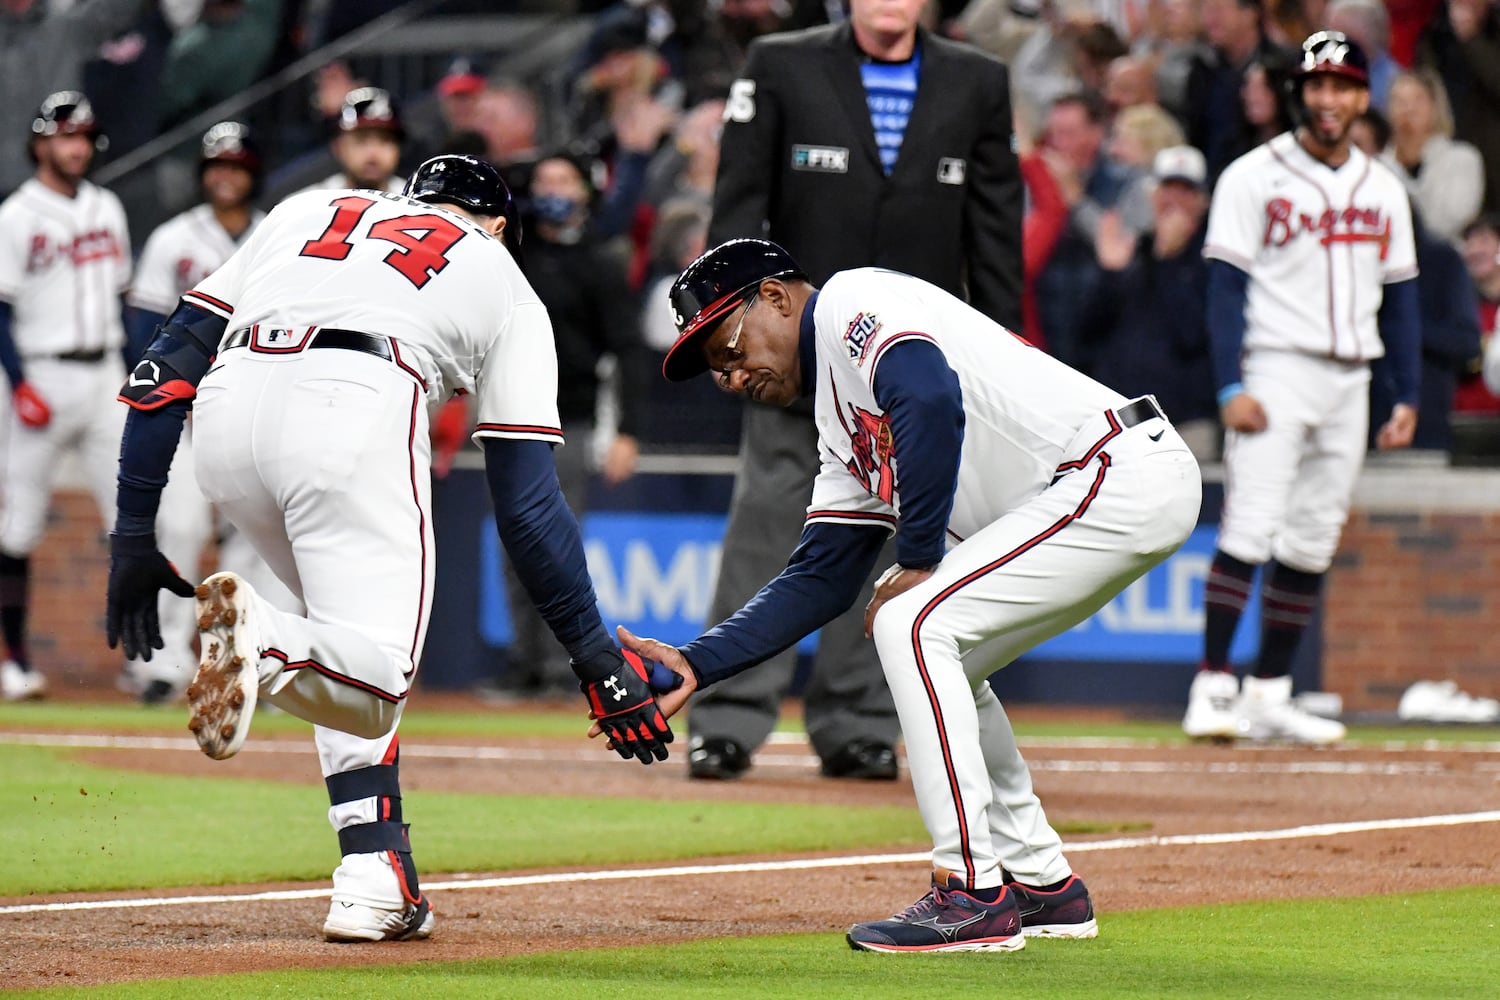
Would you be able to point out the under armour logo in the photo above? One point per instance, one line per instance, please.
(614, 685)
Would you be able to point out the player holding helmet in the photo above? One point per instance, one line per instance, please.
(1311, 276)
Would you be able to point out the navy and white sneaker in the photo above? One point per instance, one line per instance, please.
(1065, 912)
(948, 918)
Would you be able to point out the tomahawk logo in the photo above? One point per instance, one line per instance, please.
(613, 683)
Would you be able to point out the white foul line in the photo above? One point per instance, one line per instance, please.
(793, 864)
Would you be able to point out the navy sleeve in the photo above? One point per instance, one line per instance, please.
(10, 358)
(1401, 329)
(543, 543)
(921, 395)
(146, 453)
(140, 328)
(820, 582)
(616, 210)
(1228, 287)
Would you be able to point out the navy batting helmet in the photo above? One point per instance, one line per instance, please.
(230, 142)
(1333, 52)
(67, 112)
(710, 289)
(470, 183)
(370, 107)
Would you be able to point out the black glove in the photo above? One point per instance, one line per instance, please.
(623, 704)
(137, 570)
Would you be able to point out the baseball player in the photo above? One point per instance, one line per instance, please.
(180, 253)
(1023, 495)
(1312, 274)
(310, 433)
(64, 262)
(367, 143)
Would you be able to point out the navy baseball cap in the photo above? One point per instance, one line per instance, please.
(710, 288)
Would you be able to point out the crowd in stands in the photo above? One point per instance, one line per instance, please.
(1114, 100)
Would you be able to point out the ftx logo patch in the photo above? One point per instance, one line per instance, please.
(860, 333)
(821, 159)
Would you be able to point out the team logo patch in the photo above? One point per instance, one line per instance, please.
(952, 170)
(821, 159)
(278, 340)
(859, 335)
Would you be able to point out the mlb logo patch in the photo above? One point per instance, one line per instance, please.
(821, 159)
(278, 340)
(859, 335)
(951, 170)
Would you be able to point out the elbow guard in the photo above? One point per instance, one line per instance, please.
(176, 361)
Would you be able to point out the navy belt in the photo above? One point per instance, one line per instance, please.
(88, 357)
(343, 340)
(1139, 412)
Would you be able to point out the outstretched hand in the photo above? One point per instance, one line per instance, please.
(669, 674)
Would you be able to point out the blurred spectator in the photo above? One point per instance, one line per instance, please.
(1177, 48)
(999, 27)
(1216, 113)
(1366, 22)
(616, 69)
(1408, 19)
(125, 80)
(1091, 182)
(1042, 226)
(508, 120)
(1464, 47)
(1129, 81)
(1481, 251)
(1371, 132)
(451, 107)
(313, 159)
(366, 143)
(1147, 317)
(223, 53)
(1450, 339)
(582, 283)
(686, 167)
(1445, 178)
(1264, 102)
(1045, 68)
(41, 53)
(1096, 46)
(1290, 21)
(1138, 134)
(709, 40)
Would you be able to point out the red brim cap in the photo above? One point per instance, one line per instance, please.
(685, 358)
(460, 83)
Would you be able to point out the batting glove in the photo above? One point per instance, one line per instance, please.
(30, 406)
(137, 571)
(622, 702)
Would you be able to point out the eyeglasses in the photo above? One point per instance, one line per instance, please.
(731, 345)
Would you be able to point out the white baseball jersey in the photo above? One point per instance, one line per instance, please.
(462, 314)
(64, 263)
(1023, 407)
(1319, 244)
(182, 252)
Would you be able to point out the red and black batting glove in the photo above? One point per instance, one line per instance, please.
(622, 702)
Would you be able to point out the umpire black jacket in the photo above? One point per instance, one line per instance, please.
(798, 165)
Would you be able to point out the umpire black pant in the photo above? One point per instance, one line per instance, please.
(846, 698)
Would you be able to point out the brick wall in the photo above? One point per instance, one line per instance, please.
(69, 572)
(1413, 596)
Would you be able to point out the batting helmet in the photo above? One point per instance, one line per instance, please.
(1332, 52)
(370, 107)
(230, 142)
(470, 183)
(710, 289)
(67, 112)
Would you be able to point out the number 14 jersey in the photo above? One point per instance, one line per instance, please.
(450, 295)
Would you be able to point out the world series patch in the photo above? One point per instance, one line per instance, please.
(859, 335)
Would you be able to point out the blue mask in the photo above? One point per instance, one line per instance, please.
(554, 208)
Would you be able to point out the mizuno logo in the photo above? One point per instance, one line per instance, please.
(948, 930)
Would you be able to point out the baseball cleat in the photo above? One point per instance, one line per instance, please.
(946, 919)
(1210, 710)
(1065, 912)
(369, 904)
(20, 684)
(223, 692)
(1266, 712)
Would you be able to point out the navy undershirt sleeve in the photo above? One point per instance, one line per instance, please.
(10, 358)
(1400, 321)
(922, 397)
(146, 452)
(543, 543)
(820, 582)
(1228, 287)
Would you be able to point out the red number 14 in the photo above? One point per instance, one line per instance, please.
(422, 241)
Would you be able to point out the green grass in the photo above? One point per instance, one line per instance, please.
(72, 826)
(1427, 946)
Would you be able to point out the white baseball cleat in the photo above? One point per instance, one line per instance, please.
(20, 685)
(368, 904)
(1210, 711)
(223, 692)
(1266, 712)
(1442, 701)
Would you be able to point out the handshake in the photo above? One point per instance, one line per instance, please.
(631, 698)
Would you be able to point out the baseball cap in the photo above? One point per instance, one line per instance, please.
(1181, 163)
(463, 76)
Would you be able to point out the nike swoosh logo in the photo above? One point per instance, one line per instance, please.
(1157, 435)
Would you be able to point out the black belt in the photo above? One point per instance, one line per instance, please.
(344, 340)
(1139, 412)
(89, 357)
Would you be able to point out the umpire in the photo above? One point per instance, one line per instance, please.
(870, 142)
